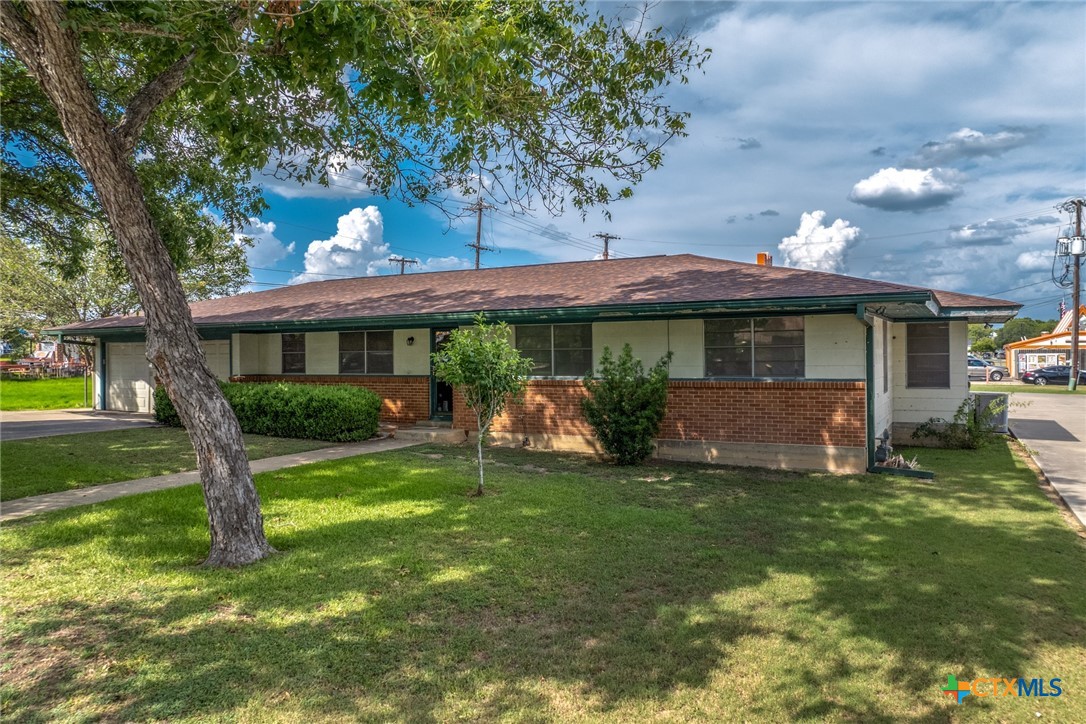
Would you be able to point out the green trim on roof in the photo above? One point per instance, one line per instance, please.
(618, 312)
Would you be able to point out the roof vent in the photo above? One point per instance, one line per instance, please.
(765, 258)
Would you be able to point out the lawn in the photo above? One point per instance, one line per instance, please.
(66, 462)
(1046, 389)
(575, 591)
(47, 394)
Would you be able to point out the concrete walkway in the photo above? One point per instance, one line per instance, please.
(25, 424)
(1053, 428)
(23, 507)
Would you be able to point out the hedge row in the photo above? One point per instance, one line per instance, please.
(316, 412)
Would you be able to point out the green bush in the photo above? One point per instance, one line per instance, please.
(337, 413)
(625, 406)
(970, 429)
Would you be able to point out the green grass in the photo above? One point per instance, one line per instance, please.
(1049, 389)
(575, 591)
(47, 394)
(66, 462)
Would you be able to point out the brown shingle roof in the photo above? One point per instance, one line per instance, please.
(683, 278)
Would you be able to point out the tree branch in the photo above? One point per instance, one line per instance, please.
(150, 97)
(133, 29)
(19, 34)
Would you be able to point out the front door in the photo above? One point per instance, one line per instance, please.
(441, 393)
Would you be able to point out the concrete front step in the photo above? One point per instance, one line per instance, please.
(428, 433)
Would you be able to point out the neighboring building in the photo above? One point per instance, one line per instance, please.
(1053, 348)
(772, 366)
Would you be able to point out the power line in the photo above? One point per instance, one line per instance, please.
(479, 207)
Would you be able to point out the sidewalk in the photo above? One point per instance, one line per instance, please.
(33, 505)
(1053, 428)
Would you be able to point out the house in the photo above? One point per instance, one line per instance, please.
(772, 366)
(1053, 348)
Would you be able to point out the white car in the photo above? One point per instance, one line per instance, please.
(981, 370)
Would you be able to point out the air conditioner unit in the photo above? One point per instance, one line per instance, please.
(997, 401)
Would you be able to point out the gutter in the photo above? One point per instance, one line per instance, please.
(869, 386)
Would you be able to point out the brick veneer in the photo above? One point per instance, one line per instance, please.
(405, 400)
(797, 413)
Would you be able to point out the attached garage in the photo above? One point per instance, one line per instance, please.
(129, 380)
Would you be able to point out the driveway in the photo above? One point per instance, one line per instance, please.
(1053, 427)
(46, 423)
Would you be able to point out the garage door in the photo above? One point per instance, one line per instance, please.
(128, 378)
(129, 386)
(218, 357)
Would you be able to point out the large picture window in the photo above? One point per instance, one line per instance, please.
(927, 352)
(557, 350)
(294, 353)
(365, 353)
(761, 347)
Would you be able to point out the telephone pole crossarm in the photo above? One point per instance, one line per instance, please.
(607, 239)
(403, 262)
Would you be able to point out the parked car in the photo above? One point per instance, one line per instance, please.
(1053, 374)
(982, 370)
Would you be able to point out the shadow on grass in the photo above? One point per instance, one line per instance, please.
(589, 589)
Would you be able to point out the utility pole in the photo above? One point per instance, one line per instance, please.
(1076, 248)
(478, 207)
(607, 239)
(402, 262)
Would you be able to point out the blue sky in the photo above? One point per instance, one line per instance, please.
(916, 142)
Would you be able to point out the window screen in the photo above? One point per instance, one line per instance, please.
(365, 353)
(556, 350)
(294, 353)
(927, 351)
(761, 347)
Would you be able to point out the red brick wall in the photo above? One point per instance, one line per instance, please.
(802, 413)
(405, 400)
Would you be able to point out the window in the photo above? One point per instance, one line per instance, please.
(762, 347)
(294, 354)
(558, 350)
(927, 351)
(365, 353)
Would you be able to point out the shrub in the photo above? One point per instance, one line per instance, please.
(970, 429)
(338, 413)
(625, 406)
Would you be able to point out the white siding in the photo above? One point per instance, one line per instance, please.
(321, 353)
(413, 359)
(270, 354)
(834, 347)
(915, 405)
(99, 350)
(651, 340)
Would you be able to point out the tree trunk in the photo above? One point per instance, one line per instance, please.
(173, 348)
(479, 448)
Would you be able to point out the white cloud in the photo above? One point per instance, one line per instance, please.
(907, 189)
(988, 233)
(967, 143)
(819, 247)
(1031, 261)
(266, 248)
(445, 263)
(356, 249)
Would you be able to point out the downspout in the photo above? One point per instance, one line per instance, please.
(869, 385)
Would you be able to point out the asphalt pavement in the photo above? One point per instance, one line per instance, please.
(1053, 428)
(26, 424)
